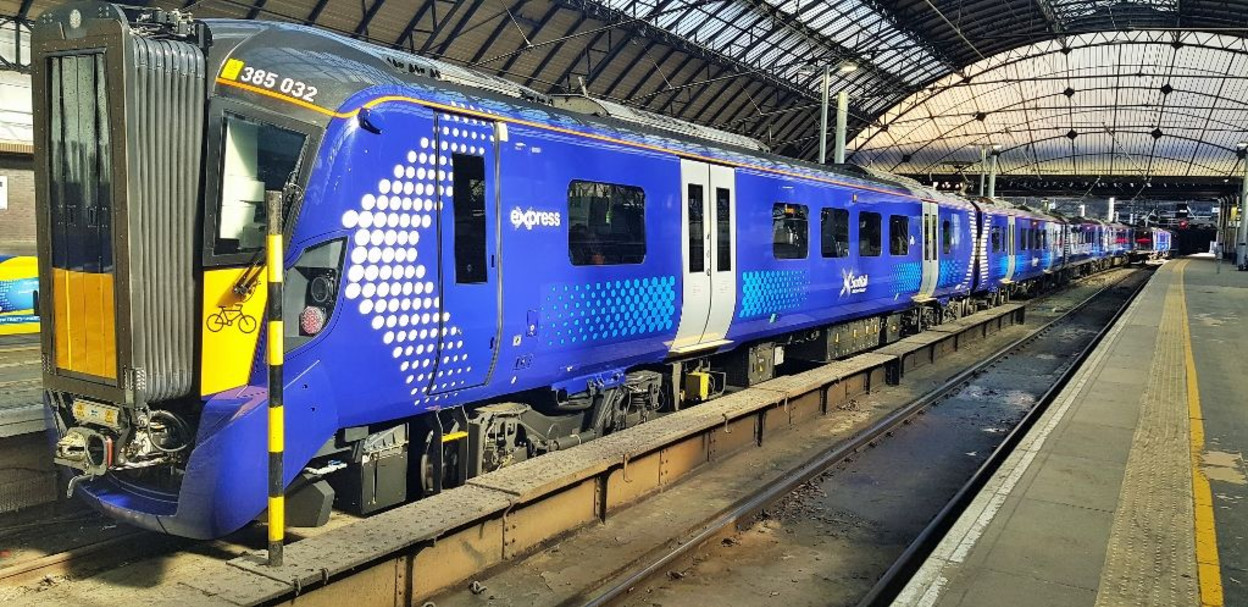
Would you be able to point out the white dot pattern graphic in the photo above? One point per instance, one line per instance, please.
(388, 278)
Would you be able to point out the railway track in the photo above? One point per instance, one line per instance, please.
(1092, 317)
(133, 546)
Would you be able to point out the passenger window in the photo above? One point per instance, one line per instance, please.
(790, 231)
(697, 230)
(898, 235)
(258, 160)
(606, 224)
(1022, 239)
(946, 237)
(723, 222)
(468, 189)
(834, 233)
(996, 238)
(869, 234)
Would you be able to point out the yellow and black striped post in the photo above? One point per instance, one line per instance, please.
(277, 416)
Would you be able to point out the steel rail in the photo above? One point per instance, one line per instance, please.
(894, 579)
(784, 485)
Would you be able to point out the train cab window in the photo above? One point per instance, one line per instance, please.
(898, 235)
(790, 231)
(834, 233)
(258, 159)
(869, 234)
(995, 236)
(946, 237)
(468, 190)
(606, 224)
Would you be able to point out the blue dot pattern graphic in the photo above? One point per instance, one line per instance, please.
(952, 272)
(1003, 266)
(907, 276)
(579, 313)
(766, 292)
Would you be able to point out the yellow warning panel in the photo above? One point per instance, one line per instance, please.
(231, 69)
(231, 329)
(85, 340)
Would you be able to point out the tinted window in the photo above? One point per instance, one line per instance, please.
(790, 231)
(469, 203)
(834, 233)
(1022, 239)
(898, 235)
(869, 234)
(946, 237)
(996, 238)
(723, 223)
(697, 230)
(257, 161)
(606, 224)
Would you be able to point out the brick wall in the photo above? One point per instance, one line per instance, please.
(17, 223)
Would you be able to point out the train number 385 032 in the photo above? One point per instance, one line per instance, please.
(271, 80)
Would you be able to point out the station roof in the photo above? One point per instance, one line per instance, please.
(934, 79)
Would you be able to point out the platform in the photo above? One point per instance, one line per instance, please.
(21, 402)
(1129, 490)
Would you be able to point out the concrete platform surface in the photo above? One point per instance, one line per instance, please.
(1130, 489)
(21, 400)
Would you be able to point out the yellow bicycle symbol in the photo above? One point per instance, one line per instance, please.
(227, 315)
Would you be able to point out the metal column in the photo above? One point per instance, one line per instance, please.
(992, 176)
(1241, 234)
(983, 169)
(842, 115)
(823, 120)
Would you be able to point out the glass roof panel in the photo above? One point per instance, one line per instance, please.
(1117, 103)
(809, 30)
(1069, 10)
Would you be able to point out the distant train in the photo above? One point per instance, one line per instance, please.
(1150, 244)
(480, 273)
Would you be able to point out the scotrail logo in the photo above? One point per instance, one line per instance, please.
(531, 218)
(852, 284)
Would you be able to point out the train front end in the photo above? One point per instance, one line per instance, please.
(149, 356)
(117, 230)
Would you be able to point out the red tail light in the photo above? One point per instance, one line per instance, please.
(312, 320)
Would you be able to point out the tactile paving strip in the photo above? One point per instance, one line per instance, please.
(1150, 558)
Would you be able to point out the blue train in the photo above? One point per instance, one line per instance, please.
(480, 273)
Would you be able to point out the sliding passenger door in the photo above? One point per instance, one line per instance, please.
(1011, 236)
(466, 318)
(931, 260)
(708, 255)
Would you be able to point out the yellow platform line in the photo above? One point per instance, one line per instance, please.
(1208, 567)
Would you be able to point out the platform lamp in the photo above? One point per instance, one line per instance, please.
(842, 107)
